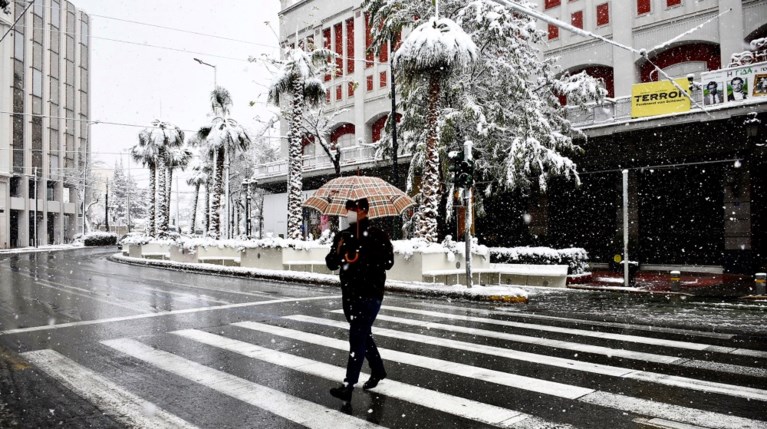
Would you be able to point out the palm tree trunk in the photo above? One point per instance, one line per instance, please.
(427, 228)
(152, 199)
(168, 195)
(194, 210)
(295, 162)
(207, 205)
(162, 221)
(218, 191)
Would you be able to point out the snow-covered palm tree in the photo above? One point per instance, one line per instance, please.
(222, 137)
(175, 157)
(299, 81)
(147, 154)
(156, 141)
(201, 170)
(431, 53)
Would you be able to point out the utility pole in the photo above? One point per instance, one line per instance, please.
(178, 225)
(106, 207)
(467, 222)
(394, 146)
(34, 218)
(128, 190)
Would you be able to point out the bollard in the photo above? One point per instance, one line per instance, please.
(675, 281)
(761, 281)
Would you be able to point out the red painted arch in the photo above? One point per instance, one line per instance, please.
(342, 130)
(707, 52)
(379, 124)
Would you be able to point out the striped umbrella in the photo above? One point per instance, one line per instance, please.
(384, 198)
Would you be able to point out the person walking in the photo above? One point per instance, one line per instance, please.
(363, 253)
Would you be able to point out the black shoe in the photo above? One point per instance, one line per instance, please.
(372, 382)
(342, 392)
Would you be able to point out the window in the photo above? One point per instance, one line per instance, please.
(576, 19)
(339, 93)
(553, 32)
(18, 45)
(551, 3)
(50, 191)
(350, 90)
(382, 80)
(326, 45)
(368, 43)
(54, 95)
(37, 83)
(369, 83)
(643, 7)
(16, 187)
(350, 46)
(671, 3)
(339, 48)
(55, 13)
(84, 33)
(603, 14)
(327, 96)
(383, 55)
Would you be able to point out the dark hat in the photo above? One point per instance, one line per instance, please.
(361, 204)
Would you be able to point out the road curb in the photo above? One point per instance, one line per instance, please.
(332, 280)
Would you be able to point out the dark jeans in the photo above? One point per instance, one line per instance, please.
(361, 313)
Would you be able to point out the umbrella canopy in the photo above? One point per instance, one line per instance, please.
(384, 199)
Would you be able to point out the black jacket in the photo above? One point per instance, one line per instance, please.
(365, 255)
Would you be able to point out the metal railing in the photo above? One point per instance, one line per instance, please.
(355, 155)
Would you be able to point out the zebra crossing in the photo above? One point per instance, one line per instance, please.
(449, 366)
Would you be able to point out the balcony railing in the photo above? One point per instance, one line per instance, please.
(355, 155)
(612, 110)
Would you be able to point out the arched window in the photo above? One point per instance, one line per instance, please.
(343, 135)
(680, 61)
(379, 125)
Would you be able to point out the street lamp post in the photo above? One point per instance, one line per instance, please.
(201, 62)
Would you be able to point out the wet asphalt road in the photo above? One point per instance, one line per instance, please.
(85, 342)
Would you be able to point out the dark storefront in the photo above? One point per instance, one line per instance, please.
(696, 196)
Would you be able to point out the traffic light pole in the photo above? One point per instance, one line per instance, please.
(467, 222)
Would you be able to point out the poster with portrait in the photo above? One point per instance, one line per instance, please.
(734, 85)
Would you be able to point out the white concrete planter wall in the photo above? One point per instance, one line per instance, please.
(310, 260)
(134, 250)
(268, 258)
(219, 255)
(155, 251)
(412, 268)
(179, 254)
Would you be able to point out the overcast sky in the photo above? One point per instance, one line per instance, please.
(154, 75)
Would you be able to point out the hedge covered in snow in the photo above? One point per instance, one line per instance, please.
(575, 258)
(100, 238)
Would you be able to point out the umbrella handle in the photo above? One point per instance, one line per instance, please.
(350, 260)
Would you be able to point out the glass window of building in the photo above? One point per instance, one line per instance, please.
(70, 48)
(70, 79)
(69, 103)
(37, 29)
(38, 8)
(16, 187)
(37, 105)
(71, 21)
(37, 83)
(55, 13)
(37, 142)
(37, 56)
(54, 65)
(54, 96)
(18, 74)
(18, 100)
(18, 45)
(50, 190)
(55, 42)
(83, 102)
(84, 80)
(84, 33)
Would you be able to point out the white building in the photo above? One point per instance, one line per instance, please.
(45, 83)
(364, 82)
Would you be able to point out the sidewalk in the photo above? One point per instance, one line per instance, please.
(498, 293)
(696, 284)
(46, 248)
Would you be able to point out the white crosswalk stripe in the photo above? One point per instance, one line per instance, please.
(104, 394)
(606, 399)
(668, 380)
(509, 388)
(298, 410)
(454, 405)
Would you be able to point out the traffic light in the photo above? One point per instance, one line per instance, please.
(454, 166)
(466, 174)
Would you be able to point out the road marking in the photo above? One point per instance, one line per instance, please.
(581, 332)
(552, 388)
(576, 365)
(164, 313)
(645, 407)
(619, 402)
(450, 404)
(289, 407)
(566, 345)
(107, 396)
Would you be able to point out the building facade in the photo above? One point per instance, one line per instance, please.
(695, 179)
(44, 147)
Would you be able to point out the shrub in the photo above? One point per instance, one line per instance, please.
(575, 258)
(100, 239)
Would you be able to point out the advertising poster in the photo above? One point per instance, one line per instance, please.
(659, 98)
(735, 84)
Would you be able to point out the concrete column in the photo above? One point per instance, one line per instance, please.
(360, 128)
(624, 68)
(730, 29)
